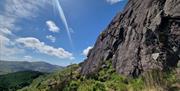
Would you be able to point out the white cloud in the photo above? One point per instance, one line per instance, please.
(52, 26)
(41, 47)
(71, 30)
(4, 40)
(5, 31)
(6, 22)
(7, 48)
(24, 8)
(52, 38)
(12, 12)
(27, 58)
(86, 51)
(113, 1)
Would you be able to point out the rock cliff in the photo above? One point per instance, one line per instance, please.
(146, 35)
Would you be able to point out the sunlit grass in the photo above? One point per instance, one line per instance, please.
(105, 80)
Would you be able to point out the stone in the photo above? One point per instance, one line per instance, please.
(155, 56)
(142, 37)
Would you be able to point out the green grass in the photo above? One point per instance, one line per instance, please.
(106, 79)
(53, 82)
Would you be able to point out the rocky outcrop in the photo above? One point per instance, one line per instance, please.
(146, 35)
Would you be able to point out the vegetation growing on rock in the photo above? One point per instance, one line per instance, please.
(106, 79)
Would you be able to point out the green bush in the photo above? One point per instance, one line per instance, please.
(98, 86)
(116, 86)
(86, 85)
(72, 86)
(136, 84)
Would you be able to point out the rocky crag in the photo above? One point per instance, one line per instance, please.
(145, 36)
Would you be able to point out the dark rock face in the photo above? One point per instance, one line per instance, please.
(146, 35)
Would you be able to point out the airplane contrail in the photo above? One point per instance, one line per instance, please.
(63, 18)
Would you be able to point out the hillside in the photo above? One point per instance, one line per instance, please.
(14, 81)
(15, 66)
(106, 79)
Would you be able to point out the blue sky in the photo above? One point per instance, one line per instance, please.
(55, 31)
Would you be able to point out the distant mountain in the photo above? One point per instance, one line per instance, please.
(15, 66)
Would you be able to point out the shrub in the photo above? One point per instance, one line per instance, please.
(98, 86)
(86, 85)
(73, 86)
(116, 86)
(136, 84)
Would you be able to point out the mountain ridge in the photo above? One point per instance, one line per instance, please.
(15, 66)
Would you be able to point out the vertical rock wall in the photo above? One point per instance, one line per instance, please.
(146, 35)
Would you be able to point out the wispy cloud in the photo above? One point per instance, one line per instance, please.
(27, 58)
(15, 10)
(41, 47)
(86, 51)
(6, 22)
(24, 8)
(5, 31)
(4, 40)
(7, 46)
(12, 12)
(52, 38)
(63, 18)
(114, 1)
(52, 26)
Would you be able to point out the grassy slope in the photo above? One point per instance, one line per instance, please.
(14, 81)
(52, 82)
(105, 80)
